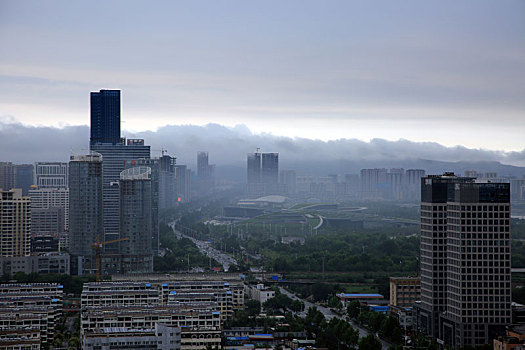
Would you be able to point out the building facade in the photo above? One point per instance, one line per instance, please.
(136, 219)
(167, 182)
(51, 198)
(24, 175)
(51, 175)
(15, 223)
(86, 211)
(116, 158)
(105, 117)
(7, 176)
(404, 291)
(465, 260)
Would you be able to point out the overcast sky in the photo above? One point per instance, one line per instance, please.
(451, 72)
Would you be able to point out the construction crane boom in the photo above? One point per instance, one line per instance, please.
(98, 246)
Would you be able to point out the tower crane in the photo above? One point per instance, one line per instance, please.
(98, 247)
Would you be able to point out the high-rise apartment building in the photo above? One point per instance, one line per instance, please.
(205, 173)
(136, 220)
(105, 117)
(15, 223)
(183, 177)
(373, 182)
(464, 260)
(202, 165)
(51, 175)
(7, 176)
(288, 178)
(48, 198)
(167, 182)
(85, 209)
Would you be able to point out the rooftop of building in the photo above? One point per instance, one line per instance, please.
(359, 295)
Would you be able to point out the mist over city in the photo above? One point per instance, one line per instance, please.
(262, 175)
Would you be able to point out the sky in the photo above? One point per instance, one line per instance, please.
(446, 72)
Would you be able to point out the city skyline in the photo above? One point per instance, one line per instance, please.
(418, 71)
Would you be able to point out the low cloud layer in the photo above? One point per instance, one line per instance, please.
(228, 146)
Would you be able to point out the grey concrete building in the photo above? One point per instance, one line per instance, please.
(136, 219)
(85, 209)
(465, 260)
(51, 175)
(116, 158)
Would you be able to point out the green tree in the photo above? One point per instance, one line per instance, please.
(354, 308)
(370, 342)
(253, 307)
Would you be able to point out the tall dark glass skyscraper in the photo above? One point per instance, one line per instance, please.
(105, 117)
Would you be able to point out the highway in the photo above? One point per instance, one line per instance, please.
(224, 259)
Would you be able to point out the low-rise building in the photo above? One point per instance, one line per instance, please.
(260, 293)
(365, 298)
(44, 263)
(161, 337)
(33, 310)
(404, 291)
(515, 339)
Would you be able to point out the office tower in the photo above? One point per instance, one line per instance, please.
(116, 157)
(183, 178)
(105, 117)
(136, 219)
(202, 165)
(373, 183)
(167, 182)
(288, 179)
(262, 173)
(15, 223)
(51, 175)
(24, 177)
(465, 260)
(85, 209)
(50, 198)
(270, 168)
(7, 176)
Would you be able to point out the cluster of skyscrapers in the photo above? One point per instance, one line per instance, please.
(113, 193)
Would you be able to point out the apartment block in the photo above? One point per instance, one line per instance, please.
(31, 311)
(15, 223)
